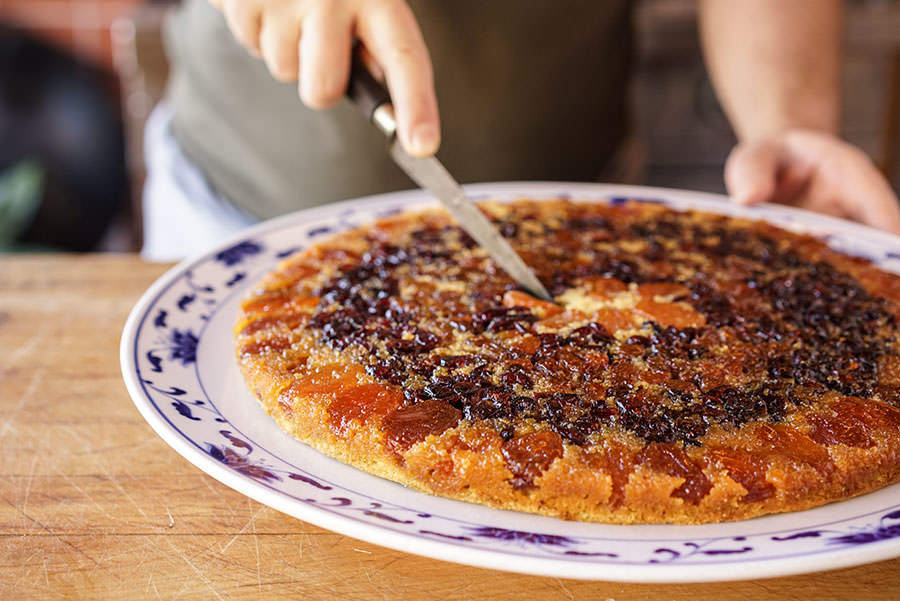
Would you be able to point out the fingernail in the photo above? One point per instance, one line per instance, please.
(423, 140)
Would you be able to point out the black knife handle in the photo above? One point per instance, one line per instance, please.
(364, 90)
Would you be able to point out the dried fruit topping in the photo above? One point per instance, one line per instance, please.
(851, 421)
(677, 315)
(671, 290)
(725, 323)
(746, 469)
(529, 455)
(499, 319)
(674, 461)
(360, 402)
(838, 429)
(604, 286)
(793, 444)
(872, 414)
(391, 370)
(268, 345)
(287, 320)
(421, 341)
(267, 301)
(615, 319)
(408, 425)
(516, 298)
(617, 463)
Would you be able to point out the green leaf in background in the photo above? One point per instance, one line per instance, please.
(21, 191)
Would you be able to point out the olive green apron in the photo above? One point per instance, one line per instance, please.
(527, 90)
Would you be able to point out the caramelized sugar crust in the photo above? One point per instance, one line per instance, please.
(694, 368)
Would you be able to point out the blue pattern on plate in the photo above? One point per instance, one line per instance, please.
(236, 254)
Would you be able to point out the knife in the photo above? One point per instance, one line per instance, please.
(375, 103)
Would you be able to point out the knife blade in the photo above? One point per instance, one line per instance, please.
(430, 174)
(373, 100)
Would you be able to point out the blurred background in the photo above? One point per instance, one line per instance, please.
(78, 79)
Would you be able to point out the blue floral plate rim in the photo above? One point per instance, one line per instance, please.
(174, 344)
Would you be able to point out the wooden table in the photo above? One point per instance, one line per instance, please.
(95, 505)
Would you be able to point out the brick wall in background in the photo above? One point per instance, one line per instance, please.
(82, 26)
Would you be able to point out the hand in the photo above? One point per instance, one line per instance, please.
(310, 41)
(815, 171)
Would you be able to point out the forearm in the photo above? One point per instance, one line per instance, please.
(775, 64)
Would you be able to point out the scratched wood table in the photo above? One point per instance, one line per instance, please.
(96, 506)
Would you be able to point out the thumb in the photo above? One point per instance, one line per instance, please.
(751, 172)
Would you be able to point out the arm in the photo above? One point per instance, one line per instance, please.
(775, 64)
(776, 69)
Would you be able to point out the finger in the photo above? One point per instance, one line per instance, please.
(866, 194)
(791, 181)
(370, 63)
(847, 182)
(279, 40)
(325, 57)
(883, 213)
(751, 172)
(390, 32)
(244, 21)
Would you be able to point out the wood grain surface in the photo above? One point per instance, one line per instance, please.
(95, 505)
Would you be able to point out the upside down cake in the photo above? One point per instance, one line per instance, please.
(694, 368)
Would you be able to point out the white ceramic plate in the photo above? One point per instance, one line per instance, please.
(178, 363)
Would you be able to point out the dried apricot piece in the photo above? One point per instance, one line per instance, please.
(674, 461)
(617, 463)
(851, 422)
(268, 345)
(406, 426)
(601, 286)
(838, 429)
(529, 455)
(792, 443)
(672, 290)
(615, 319)
(287, 320)
(746, 469)
(290, 275)
(361, 402)
(267, 301)
(526, 345)
(516, 298)
(874, 413)
(677, 315)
